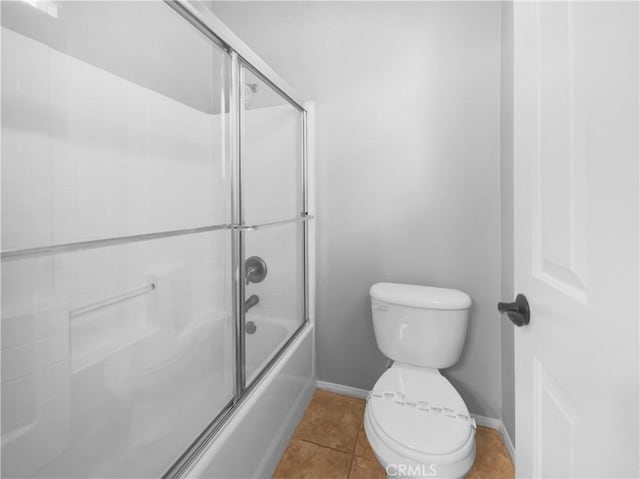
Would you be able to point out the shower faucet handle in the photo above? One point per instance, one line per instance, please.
(255, 269)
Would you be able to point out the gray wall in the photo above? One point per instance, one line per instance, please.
(407, 160)
(506, 197)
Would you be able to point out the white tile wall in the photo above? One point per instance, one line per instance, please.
(271, 165)
(35, 388)
(271, 186)
(86, 155)
(280, 292)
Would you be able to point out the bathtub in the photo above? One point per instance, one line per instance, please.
(251, 442)
(270, 335)
(156, 390)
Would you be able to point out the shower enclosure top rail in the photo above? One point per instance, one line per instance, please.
(202, 17)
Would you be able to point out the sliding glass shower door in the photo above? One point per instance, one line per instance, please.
(153, 235)
(271, 160)
(117, 333)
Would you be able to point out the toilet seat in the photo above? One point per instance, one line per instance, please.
(416, 414)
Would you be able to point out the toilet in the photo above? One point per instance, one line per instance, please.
(416, 422)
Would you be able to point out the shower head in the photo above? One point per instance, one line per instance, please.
(250, 89)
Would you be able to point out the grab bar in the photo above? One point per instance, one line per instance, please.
(74, 313)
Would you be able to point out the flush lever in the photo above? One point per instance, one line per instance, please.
(518, 311)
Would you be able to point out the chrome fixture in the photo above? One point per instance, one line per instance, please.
(49, 250)
(104, 242)
(250, 327)
(251, 302)
(74, 313)
(250, 89)
(255, 270)
(243, 59)
(297, 219)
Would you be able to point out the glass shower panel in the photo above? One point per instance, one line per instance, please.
(275, 302)
(114, 359)
(271, 153)
(114, 118)
(113, 122)
(271, 159)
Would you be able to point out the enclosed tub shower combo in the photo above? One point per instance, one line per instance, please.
(155, 245)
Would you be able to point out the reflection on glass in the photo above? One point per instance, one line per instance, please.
(271, 154)
(111, 112)
(280, 310)
(119, 390)
(113, 124)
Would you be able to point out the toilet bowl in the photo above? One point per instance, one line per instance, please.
(416, 422)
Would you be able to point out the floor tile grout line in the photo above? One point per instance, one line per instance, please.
(360, 421)
(324, 446)
(350, 467)
(351, 456)
(355, 444)
(501, 449)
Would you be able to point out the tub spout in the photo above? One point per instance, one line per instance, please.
(251, 302)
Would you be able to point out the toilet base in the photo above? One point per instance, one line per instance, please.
(398, 467)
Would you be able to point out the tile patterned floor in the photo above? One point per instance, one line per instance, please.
(330, 443)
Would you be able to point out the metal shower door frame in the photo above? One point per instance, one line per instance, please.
(243, 58)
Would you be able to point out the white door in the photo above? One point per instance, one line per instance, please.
(576, 137)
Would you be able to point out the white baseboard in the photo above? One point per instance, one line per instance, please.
(484, 421)
(498, 425)
(340, 389)
(507, 442)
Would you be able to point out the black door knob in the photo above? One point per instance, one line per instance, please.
(518, 311)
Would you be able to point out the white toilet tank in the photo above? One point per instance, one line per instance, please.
(420, 325)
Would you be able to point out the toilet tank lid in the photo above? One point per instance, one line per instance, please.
(417, 296)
